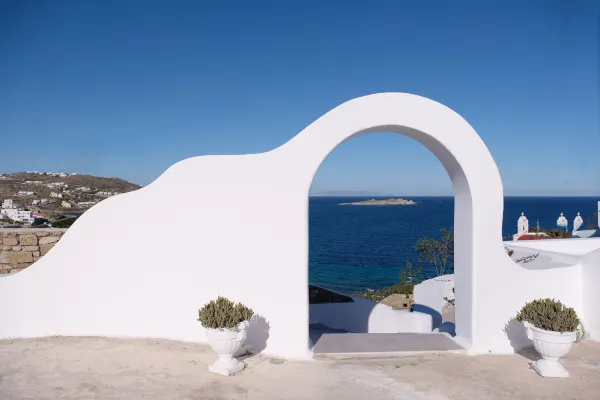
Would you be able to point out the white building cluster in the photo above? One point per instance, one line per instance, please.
(57, 185)
(38, 202)
(15, 212)
(561, 222)
(107, 194)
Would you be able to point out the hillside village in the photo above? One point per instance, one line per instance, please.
(44, 198)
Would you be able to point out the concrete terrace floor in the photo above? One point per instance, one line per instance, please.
(100, 368)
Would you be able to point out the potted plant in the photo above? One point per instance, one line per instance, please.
(226, 324)
(552, 328)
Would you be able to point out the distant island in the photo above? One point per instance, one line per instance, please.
(387, 202)
(348, 193)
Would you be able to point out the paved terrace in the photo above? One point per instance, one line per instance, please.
(99, 368)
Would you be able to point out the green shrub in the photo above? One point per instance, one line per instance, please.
(223, 314)
(64, 223)
(550, 315)
(380, 294)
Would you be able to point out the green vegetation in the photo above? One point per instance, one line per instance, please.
(550, 315)
(555, 232)
(223, 314)
(64, 223)
(380, 294)
(437, 252)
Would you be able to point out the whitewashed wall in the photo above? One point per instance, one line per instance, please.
(590, 270)
(568, 270)
(429, 297)
(114, 276)
(366, 316)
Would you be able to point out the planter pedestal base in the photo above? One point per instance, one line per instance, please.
(226, 366)
(550, 368)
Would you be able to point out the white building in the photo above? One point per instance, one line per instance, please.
(66, 204)
(17, 215)
(577, 222)
(57, 184)
(107, 194)
(13, 211)
(562, 221)
(59, 174)
(24, 193)
(522, 226)
(56, 194)
(86, 203)
(8, 203)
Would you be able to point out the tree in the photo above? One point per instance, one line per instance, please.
(411, 275)
(438, 252)
(592, 222)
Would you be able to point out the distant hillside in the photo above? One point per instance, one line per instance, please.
(32, 190)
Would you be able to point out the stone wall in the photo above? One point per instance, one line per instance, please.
(19, 248)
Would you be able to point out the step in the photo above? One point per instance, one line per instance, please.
(386, 344)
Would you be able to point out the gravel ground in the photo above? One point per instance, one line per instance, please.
(100, 368)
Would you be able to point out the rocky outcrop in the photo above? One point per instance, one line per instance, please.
(19, 248)
(386, 202)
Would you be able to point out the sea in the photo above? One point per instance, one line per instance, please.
(353, 248)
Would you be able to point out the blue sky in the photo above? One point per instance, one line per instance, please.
(127, 88)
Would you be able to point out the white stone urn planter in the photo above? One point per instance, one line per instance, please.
(227, 343)
(551, 346)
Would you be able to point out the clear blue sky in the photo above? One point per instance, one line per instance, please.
(127, 88)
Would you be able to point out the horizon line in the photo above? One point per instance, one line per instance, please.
(452, 196)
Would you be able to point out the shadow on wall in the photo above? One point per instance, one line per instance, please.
(342, 317)
(367, 316)
(517, 335)
(258, 333)
(436, 317)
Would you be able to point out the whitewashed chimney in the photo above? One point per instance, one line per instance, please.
(522, 225)
(577, 222)
(562, 221)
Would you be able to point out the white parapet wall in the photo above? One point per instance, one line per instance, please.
(111, 275)
(366, 316)
(429, 297)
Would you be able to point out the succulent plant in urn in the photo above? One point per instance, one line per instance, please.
(552, 327)
(226, 325)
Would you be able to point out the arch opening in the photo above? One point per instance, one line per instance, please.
(334, 311)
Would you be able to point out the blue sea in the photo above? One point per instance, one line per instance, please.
(354, 248)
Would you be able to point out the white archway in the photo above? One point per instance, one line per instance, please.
(475, 179)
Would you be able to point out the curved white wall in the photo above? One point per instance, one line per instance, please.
(114, 276)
